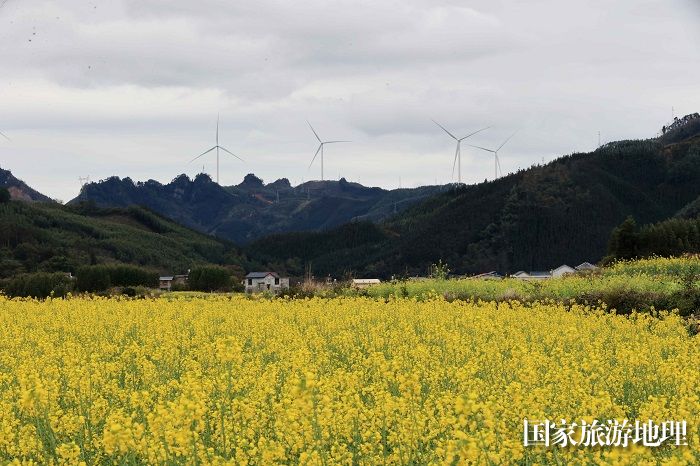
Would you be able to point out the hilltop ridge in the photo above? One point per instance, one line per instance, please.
(535, 219)
(253, 209)
(19, 190)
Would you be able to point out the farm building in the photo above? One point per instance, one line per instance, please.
(167, 282)
(365, 282)
(256, 282)
(563, 270)
(586, 266)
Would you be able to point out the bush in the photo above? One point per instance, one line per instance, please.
(210, 278)
(101, 277)
(39, 285)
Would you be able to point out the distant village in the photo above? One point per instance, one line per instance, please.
(272, 282)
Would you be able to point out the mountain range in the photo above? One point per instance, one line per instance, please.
(535, 219)
(253, 209)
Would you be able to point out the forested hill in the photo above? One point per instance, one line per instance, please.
(536, 219)
(253, 209)
(19, 190)
(49, 237)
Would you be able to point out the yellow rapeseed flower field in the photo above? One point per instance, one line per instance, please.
(230, 380)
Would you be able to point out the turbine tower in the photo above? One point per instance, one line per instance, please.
(217, 147)
(458, 151)
(320, 148)
(497, 162)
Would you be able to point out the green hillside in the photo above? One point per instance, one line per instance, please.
(536, 219)
(54, 238)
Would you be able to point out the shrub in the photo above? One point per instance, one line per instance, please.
(439, 271)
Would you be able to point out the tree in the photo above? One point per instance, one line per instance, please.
(209, 278)
(93, 278)
(39, 285)
(4, 196)
(624, 240)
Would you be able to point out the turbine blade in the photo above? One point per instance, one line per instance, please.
(217, 128)
(312, 129)
(504, 142)
(226, 150)
(204, 153)
(315, 155)
(482, 148)
(498, 163)
(472, 134)
(3, 135)
(333, 142)
(443, 128)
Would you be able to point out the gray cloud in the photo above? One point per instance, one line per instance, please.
(132, 87)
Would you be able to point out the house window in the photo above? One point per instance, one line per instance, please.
(250, 281)
(277, 281)
(268, 286)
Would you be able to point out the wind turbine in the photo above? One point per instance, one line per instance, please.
(217, 147)
(458, 151)
(320, 148)
(497, 163)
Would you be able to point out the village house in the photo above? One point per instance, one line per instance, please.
(559, 272)
(365, 282)
(166, 283)
(256, 282)
(563, 270)
(586, 267)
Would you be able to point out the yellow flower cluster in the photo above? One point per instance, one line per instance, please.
(230, 380)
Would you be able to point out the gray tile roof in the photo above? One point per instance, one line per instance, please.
(261, 274)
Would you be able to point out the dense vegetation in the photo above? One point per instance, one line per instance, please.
(38, 285)
(210, 278)
(252, 209)
(670, 237)
(93, 278)
(535, 219)
(48, 237)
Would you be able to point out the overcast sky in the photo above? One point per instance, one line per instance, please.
(133, 87)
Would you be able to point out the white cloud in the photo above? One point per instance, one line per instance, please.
(132, 87)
